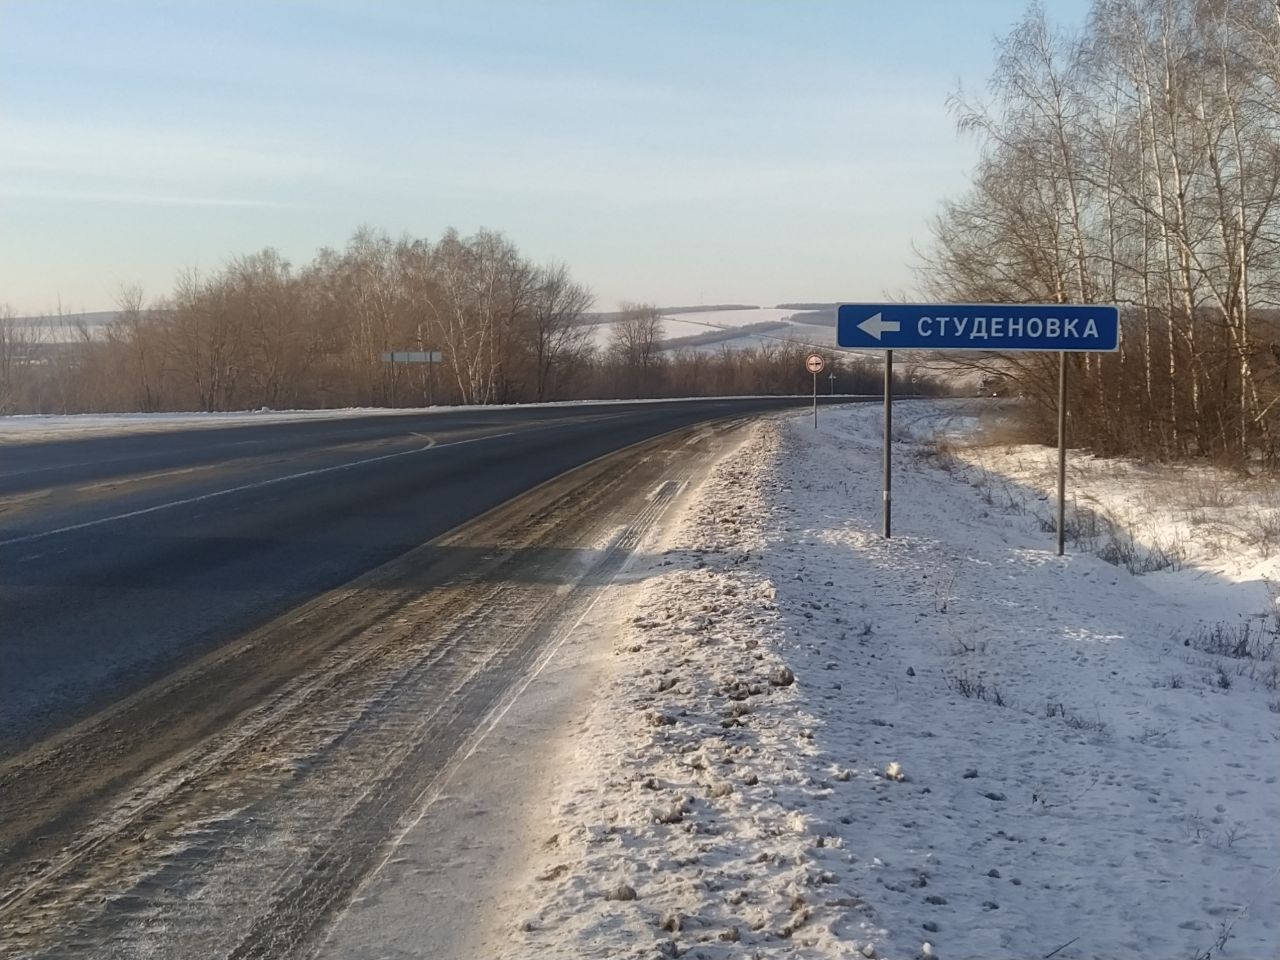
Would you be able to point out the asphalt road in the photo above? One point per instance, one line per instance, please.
(123, 557)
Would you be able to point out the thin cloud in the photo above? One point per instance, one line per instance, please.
(148, 153)
(142, 199)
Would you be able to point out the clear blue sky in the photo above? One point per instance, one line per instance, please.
(673, 152)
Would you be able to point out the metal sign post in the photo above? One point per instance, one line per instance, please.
(994, 327)
(1062, 452)
(887, 486)
(815, 364)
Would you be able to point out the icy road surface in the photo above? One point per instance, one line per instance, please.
(234, 807)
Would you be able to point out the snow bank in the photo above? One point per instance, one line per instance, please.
(1206, 538)
(816, 743)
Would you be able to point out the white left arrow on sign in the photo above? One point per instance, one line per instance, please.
(874, 326)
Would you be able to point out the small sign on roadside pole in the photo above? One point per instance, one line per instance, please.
(428, 357)
(815, 365)
(412, 356)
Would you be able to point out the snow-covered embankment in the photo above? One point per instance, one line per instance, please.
(953, 743)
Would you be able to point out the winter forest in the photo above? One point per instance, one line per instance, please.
(1136, 162)
(259, 333)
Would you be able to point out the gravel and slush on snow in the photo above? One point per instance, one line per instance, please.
(817, 743)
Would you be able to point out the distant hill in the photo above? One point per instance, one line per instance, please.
(806, 306)
(67, 327)
(712, 308)
(816, 318)
(725, 335)
(95, 318)
(609, 316)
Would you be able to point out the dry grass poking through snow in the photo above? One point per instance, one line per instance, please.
(819, 744)
(1145, 517)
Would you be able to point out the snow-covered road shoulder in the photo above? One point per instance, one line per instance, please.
(953, 743)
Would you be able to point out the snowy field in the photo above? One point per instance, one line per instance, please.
(71, 328)
(691, 324)
(695, 324)
(1195, 532)
(815, 743)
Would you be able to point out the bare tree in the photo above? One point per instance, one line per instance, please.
(17, 340)
(635, 345)
(558, 337)
(134, 332)
(1136, 162)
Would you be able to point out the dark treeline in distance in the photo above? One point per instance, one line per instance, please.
(261, 334)
(1136, 162)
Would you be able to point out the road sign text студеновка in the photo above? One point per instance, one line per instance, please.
(983, 326)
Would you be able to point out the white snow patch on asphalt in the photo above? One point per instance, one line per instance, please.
(953, 744)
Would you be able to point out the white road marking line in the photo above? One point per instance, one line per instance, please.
(248, 486)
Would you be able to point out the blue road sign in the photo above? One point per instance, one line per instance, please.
(978, 326)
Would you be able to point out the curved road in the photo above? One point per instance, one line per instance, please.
(236, 662)
(123, 557)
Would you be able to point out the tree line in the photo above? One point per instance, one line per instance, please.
(1135, 161)
(259, 333)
